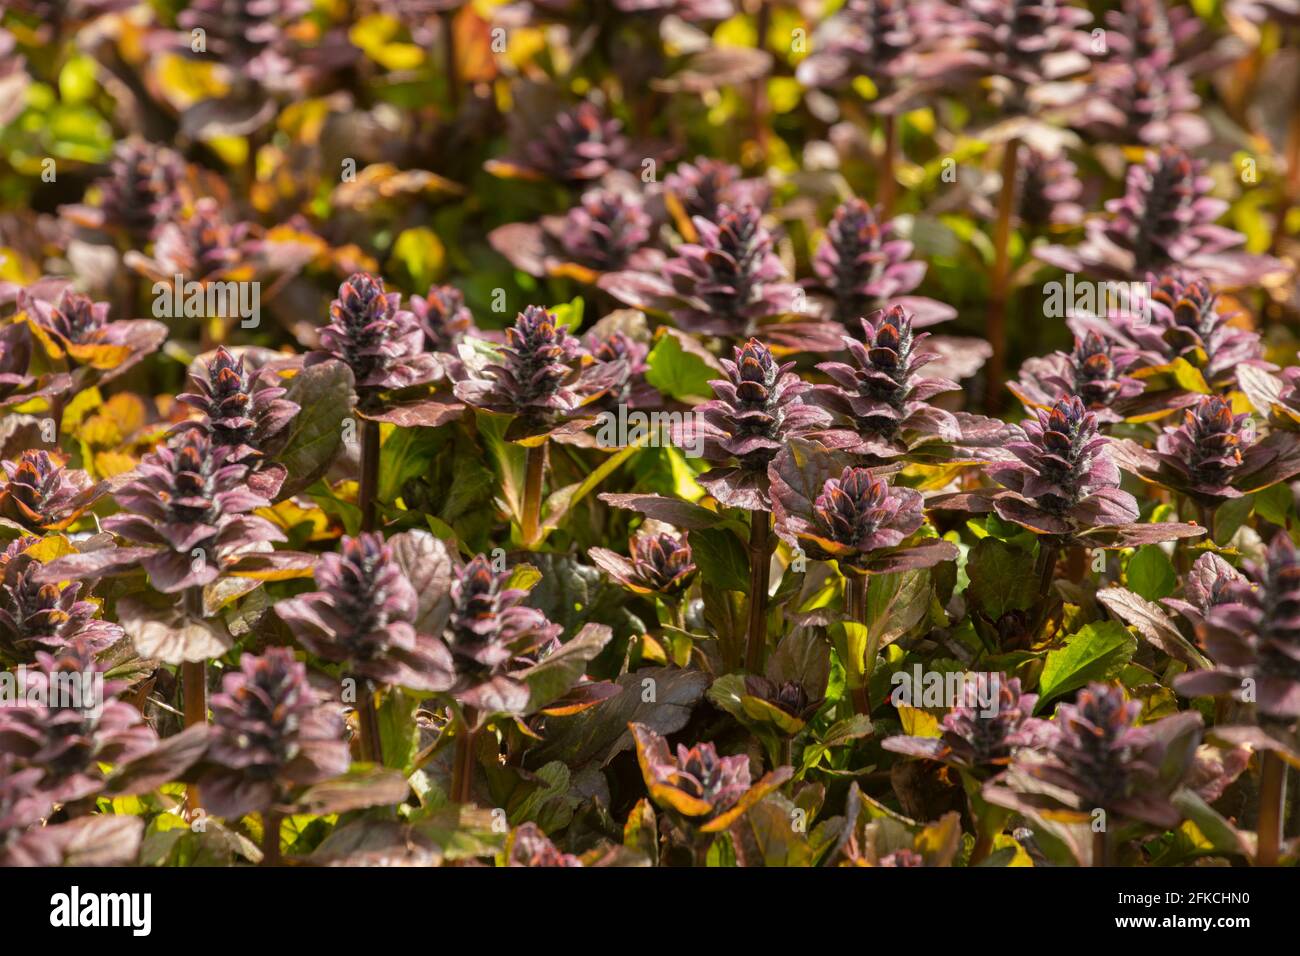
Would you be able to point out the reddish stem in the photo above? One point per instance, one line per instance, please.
(996, 325)
(760, 564)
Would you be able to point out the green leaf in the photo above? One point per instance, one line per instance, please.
(1001, 578)
(850, 641)
(405, 454)
(1275, 504)
(677, 372)
(556, 674)
(324, 393)
(508, 459)
(399, 735)
(1096, 652)
(421, 253)
(1151, 574)
(1230, 516)
(721, 558)
(569, 314)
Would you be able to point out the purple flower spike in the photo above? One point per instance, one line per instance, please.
(975, 739)
(491, 636)
(758, 408)
(1095, 756)
(38, 494)
(539, 378)
(272, 732)
(877, 39)
(660, 563)
(1094, 370)
(1065, 477)
(1213, 455)
(604, 230)
(364, 616)
(77, 330)
(1029, 42)
(697, 782)
(444, 317)
(1211, 582)
(1252, 631)
(864, 268)
(140, 192)
(852, 517)
(66, 738)
(1048, 192)
(240, 413)
(1164, 219)
(35, 616)
(578, 145)
(188, 507)
(382, 343)
(703, 187)
(730, 278)
(882, 396)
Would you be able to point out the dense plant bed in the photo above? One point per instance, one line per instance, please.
(649, 432)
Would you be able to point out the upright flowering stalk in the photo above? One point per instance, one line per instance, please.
(624, 358)
(981, 734)
(864, 268)
(364, 617)
(702, 187)
(37, 493)
(35, 616)
(659, 563)
(607, 231)
(882, 398)
(71, 739)
(833, 511)
(140, 192)
(1023, 48)
(1064, 478)
(881, 40)
(272, 732)
(975, 737)
(730, 278)
(188, 510)
(1047, 191)
(1164, 219)
(703, 791)
(757, 409)
(1063, 485)
(1212, 456)
(383, 345)
(1095, 370)
(1145, 101)
(491, 636)
(76, 333)
(241, 413)
(539, 382)
(444, 317)
(187, 514)
(1095, 756)
(604, 230)
(200, 243)
(1252, 632)
(728, 282)
(578, 145)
